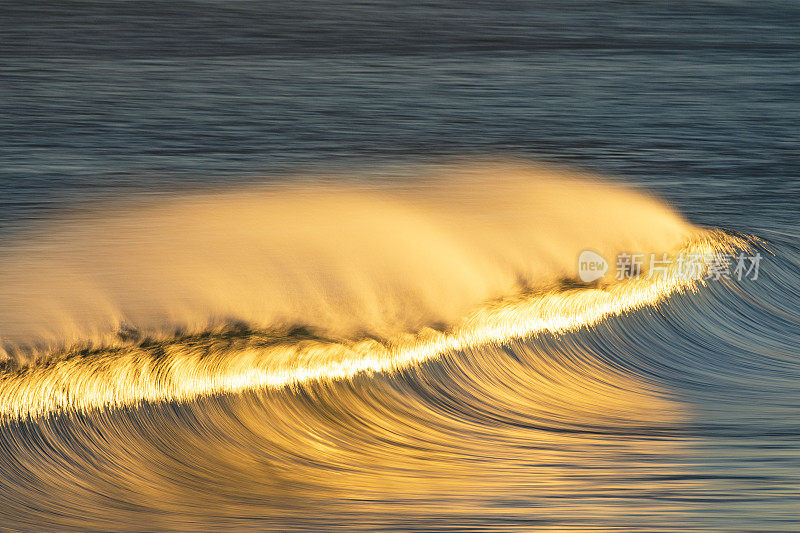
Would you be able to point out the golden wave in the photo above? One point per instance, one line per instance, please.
(190, 368)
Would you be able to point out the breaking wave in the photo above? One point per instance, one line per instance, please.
(363, 353)
(278, 285)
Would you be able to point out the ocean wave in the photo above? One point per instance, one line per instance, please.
(159, 377)
(378, 280)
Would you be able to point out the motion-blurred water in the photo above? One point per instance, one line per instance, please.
(682, 415)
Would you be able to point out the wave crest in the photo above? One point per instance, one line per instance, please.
(379, 277)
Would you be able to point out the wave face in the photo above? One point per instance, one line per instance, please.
(355, 357)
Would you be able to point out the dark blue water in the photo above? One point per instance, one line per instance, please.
(695, 99)
(696, 102)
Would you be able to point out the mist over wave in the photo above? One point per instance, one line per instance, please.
(343, 260)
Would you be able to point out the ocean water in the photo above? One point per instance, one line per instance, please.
(276, 266)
